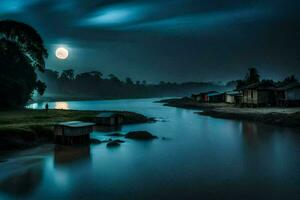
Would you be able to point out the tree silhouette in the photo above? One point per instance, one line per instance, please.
(21, 52)
(17, 76)
(29, 41)
(252, 76)
(67, 75)
(129, 81)
(289, 80)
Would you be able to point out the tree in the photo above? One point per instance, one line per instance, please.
(67, 75)
(252, 76)
(17, 77)
(289, 80)
(21, 52)
(40, 87)
(114, 78)
(98, 75)
(29, 41)
(129, 81)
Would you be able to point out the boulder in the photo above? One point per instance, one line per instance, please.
(140, 135)
(113, 144)
(95, 141)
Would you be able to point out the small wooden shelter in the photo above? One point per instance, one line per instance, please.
(109, 119)
(73, 132)
(216, 97)
(233, 97)
(202, 97)
(290, 95)
(259, 94)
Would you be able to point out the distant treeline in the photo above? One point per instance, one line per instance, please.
(93, 85)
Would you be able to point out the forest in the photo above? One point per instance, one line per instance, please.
(94, 85)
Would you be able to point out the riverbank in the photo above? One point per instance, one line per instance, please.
(287, 117)
(189, 103)
(27, 128)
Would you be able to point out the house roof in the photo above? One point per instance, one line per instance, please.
(204, 93)
(76, 124)
(107, 114)
(290, 86)
(215, 94)
(233, 93)
(260, 86)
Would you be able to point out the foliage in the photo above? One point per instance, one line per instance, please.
(21, 52)
(289, 80)
(251, 77)
(30, 42)
(17, 77)
(93, 85)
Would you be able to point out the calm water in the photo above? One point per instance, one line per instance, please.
(203, 158)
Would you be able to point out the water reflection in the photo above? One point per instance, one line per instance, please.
(107, 128)
(23, 183)
(206, 157)
(61, 105)
(249, 131)
(66, 155)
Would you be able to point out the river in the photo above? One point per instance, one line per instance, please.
(201, 158)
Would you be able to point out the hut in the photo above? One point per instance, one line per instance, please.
(259, 94)
(233, 97)
(290, 95)
(216, 97)
(109, 119)
(203, 96)
(73, 132)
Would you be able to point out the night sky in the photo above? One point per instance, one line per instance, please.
(171, 40)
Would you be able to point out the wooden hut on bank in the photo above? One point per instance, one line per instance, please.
(233, 97)
(203, 96)
(73, 132)
(216, 97)
(289, 95)
(259, 94)
(109, 119)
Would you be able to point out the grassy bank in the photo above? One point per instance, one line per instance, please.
(288, 117)
(25, 128)
(189, 103)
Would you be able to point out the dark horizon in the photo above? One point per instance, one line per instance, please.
(175, 41)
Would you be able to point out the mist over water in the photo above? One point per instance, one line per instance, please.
(202, 157)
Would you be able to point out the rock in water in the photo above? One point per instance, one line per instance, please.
(113, 144)
(140, 135)
(95, 141)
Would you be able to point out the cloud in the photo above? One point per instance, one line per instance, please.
(116, 15)
(14, 6)
(201, 21)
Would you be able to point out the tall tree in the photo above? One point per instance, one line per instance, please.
(289, 80)
(21, 52)
(67, 75)
(17, 76)
(29, 41)
(252, 76)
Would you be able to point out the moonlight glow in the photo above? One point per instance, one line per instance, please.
(61, 53)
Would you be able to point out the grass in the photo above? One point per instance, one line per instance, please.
(28, 120)
(26, 128)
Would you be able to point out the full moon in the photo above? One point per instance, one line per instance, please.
(61, 53)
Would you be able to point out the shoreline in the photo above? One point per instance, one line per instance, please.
(59, 99)
(284, 117)
(21, 129)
